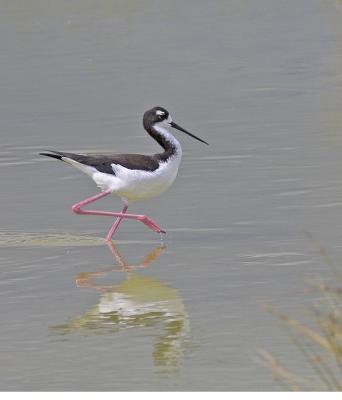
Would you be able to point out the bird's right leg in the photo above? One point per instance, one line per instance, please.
(76, 208)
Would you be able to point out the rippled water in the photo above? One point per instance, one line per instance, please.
(261, 82)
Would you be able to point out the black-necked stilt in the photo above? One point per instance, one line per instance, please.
(132, 177)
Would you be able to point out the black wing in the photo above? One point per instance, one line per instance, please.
(102, 162)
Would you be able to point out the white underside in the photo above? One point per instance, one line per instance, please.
(133, 185)
(136, 185)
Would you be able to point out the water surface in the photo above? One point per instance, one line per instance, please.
(261, 82)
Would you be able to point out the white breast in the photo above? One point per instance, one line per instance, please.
(135, 185)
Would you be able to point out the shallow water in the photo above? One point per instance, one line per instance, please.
(261, 82)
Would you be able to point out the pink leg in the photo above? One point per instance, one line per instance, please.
(76, 208)
(116, 224)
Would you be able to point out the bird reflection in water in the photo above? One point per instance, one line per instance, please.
(137, 302)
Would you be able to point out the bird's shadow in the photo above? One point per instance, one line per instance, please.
(137, 302)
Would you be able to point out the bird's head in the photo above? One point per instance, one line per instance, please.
(160, 117)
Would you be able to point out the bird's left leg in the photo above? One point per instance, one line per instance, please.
(77, 208)
(116, 224)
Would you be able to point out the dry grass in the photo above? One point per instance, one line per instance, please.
(320, 343)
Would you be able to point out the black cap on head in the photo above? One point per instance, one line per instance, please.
(156, 114)
(160, 114)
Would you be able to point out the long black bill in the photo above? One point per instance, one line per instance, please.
(188, 133)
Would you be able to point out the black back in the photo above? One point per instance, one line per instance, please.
(102, 162)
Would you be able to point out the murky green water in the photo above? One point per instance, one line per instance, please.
(261, 82)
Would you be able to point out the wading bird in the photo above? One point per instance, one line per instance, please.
(132, 177)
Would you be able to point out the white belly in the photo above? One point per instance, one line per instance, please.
(135, 185)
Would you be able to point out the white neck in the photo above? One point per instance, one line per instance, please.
(162, 129)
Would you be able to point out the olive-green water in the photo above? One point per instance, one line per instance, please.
(261, 81)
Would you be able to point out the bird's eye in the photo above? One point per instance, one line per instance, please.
(160, 114)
